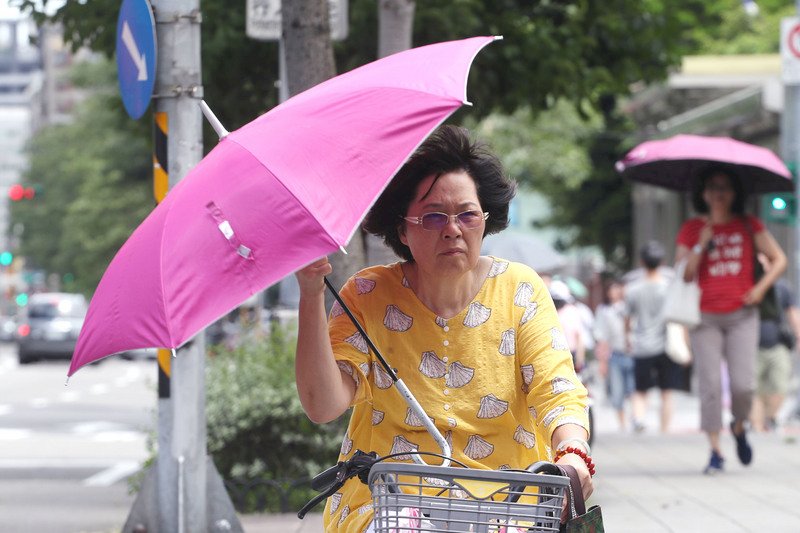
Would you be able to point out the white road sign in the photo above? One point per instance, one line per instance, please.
(790, 50)
(264, 19)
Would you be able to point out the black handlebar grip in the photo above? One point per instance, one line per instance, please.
(324, 479)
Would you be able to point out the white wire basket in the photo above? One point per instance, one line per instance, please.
(417, 498)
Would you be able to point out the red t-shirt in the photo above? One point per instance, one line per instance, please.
(726, 271)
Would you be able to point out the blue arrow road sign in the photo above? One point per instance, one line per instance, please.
(136, 55)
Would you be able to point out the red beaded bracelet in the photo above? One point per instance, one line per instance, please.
(580, 453)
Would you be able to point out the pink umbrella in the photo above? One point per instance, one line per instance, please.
(277, 194)
(673, 163)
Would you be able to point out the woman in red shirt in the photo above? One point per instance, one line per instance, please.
(719, 249)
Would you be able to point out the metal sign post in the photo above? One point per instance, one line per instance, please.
(183, 492)
(790, 119)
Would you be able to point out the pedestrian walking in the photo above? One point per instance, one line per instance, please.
(720, 247)
(611, 348)
(652, 368)
(780, 327)
(571, 322)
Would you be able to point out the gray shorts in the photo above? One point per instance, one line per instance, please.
(773, 370)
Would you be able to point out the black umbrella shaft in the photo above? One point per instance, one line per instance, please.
(372, 346)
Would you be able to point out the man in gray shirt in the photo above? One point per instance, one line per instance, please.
(644, 299)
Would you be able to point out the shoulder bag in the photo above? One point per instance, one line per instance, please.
(682, 302)
(676, 346)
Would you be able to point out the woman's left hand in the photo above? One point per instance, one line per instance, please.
(585, 477)
(754, 296)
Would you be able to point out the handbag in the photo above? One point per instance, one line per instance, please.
(579, 519)
(676, 346)
(770, 307)
(786, 336)
(682, 302)
(785, 333)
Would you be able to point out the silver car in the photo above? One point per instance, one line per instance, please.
(49, 326)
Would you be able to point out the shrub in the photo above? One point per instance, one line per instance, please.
(257, 429)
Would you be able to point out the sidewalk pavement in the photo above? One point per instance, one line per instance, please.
(650, 482)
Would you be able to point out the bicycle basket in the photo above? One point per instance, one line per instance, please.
(416, 498)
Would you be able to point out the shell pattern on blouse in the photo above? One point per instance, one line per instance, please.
(456, 374)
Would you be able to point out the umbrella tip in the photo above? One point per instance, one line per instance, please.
(66, 383)
(498, 37)
(213, 120)
(342, 249)
(174, 353)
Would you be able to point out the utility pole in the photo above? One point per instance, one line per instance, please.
(183, 492)
(790, 122)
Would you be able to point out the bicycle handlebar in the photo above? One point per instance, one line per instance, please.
(330, 480)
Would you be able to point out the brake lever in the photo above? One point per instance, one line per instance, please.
(330, 480)
(322, 480)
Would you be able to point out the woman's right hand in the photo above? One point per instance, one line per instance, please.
(311, 278)
(706, 234)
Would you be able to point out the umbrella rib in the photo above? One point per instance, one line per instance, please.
(399, 166)
(172, 345)
(287, 189)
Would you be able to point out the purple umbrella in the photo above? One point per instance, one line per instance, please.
(673, 163)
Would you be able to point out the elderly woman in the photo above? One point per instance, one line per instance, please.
(475, 338)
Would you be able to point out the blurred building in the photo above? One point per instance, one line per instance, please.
(35, 91)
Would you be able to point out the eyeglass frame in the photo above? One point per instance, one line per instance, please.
(418, 220)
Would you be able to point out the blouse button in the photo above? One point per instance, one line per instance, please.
(446, 342)
(447, 407)
(446, 392)
(446, 375)
(444, 359)
(446, 328)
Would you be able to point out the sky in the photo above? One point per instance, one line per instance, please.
(6, 11)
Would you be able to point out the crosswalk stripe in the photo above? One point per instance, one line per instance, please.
(111, 475)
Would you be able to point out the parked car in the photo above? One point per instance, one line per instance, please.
(140, 354)
(49, 326)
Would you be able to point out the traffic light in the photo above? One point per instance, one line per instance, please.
(781, 208)
(19, 192)
(22, 299)
(6, 258)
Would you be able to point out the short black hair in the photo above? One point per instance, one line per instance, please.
(607, 284)
(448, 149)
(652, 254)
(699, 185)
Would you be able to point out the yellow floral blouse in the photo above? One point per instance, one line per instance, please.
(496, 379)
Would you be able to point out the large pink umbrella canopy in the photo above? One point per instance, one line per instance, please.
(673, 163)
(282, 191)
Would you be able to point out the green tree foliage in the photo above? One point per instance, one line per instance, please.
(94, 176)
(573, 49)
(732, 31)
(552, 49)
(569, 158)
(254, 415)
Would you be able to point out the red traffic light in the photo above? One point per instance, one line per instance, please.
(17, 192)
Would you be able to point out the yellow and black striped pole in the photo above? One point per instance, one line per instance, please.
(160, 188)
(160, 168)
